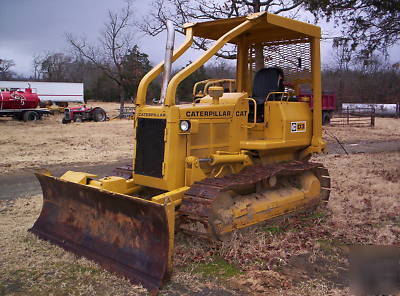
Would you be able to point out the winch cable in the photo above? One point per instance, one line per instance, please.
(337, 140)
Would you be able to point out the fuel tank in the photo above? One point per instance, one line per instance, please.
(18, 99)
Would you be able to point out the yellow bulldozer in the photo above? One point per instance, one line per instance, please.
(225, 161)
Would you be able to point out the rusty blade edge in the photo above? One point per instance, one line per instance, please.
(150, 280)
(152, 284)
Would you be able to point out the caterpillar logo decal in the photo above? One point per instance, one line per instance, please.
(145, 114)
(212, 113)
(298, 126)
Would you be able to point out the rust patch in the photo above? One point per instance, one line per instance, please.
(127, 236)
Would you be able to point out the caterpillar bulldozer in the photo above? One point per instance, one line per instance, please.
(225, 161)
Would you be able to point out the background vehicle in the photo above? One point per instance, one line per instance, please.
(207, 168)
(60, 93)
(83, 113)
(21, 104)
(328, 104)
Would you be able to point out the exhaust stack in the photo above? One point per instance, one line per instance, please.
(168, 59)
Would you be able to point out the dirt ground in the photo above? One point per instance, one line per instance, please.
(303, 255)
(49, 143)
(385, 129)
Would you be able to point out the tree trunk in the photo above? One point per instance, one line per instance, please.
(259, 56)
(122, 95)
(258, 48)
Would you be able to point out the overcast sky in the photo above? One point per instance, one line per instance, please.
(31, 27)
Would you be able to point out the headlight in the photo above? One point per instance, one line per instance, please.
(184, 125)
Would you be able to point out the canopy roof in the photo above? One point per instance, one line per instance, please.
(268, 27)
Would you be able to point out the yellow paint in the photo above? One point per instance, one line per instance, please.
(216, 92)
(220, 121)
(77, 177)
(224, 39)
(270, 204)
(230, 158)
(222, 139)
(193, 171)
(210, 82)
(115, 184)
(174, 196)
(152, 74)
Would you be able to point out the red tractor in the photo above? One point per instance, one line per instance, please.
(83, 113)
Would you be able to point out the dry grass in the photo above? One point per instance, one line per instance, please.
(303, 255)
(385, 129)
(29, 266)
(48, 142)
(306, 255)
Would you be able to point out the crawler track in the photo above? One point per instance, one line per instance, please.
(204, 197)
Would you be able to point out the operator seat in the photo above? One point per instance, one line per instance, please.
(265, 81)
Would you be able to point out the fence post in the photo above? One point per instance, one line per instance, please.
(348, 116)
(373, 117)
(398, 110)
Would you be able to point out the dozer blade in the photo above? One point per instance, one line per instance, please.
(125, 235)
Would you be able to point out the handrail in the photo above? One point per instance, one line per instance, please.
(153, 73)
(208, 83)
(199, 83)
(219, 81)
(282, 93)
(255, 112)
(181, 75)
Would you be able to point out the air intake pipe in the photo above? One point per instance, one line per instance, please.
(168, 59)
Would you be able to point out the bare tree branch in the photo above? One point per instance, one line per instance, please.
(183, 11)
(116, 50)
(370, 25)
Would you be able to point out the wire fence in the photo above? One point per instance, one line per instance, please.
(354, 117)
(126, 112)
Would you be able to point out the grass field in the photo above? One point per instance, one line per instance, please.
(48, 142)
(302, 255)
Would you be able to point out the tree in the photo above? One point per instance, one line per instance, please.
(342, 53)
(185, 11)
(52, 67)
(220, 69)
(134, 66)
(116, 52)
(5, 69)
(185, 89)
(369, 25)
(364, 81)
(60, 66)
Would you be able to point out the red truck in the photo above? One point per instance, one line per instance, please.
(21, 104)
(328, 104)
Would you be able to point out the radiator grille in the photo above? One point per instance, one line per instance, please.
(150, 147)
